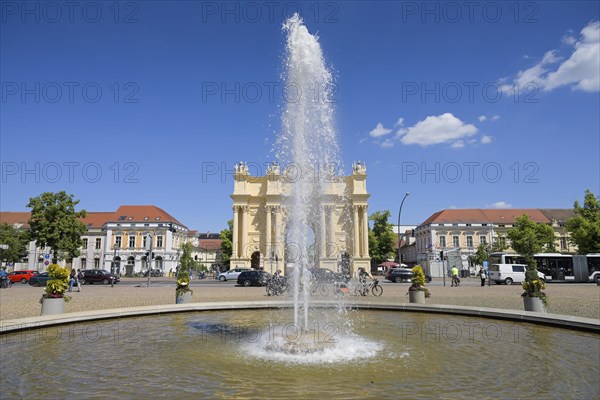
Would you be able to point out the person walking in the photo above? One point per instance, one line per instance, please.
(455, 280)
(482, 276)
(72, 279)
(79, 278)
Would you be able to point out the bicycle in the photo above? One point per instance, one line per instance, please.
(455, 281)
(363, 289)
(6, 283)
(276, 286)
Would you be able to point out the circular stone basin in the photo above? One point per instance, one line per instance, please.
(246, 354)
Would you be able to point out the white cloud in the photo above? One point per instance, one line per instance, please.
(499, 204)
(485, 139)
(580, 71)
(459, 144)
(379, 130)
(483, 118)
(387, 143)
(445, 128)
(400, 122)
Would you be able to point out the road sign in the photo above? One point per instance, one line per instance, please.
(47, 256)
(46, 262)
(485, 264)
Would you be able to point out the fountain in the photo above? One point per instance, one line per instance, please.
(336, 352)
(307, 141)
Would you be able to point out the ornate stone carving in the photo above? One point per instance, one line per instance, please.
(358, 168)
(241, 168)
(273, 169)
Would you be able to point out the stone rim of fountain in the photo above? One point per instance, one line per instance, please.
(554, 320)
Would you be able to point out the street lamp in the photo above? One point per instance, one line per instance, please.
(399, 236)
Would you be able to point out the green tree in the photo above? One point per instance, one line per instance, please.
(16, 240)
(381, 237)
(481, 255)
(54, 223)
(584, 227)
(528, 238)
(226, 237)
(485, 249)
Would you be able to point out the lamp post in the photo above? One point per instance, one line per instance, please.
(399, 236)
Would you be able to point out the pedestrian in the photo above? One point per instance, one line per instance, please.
(455, 280)
(482, 276)
(79, 278)
(72, 279)
(171, 273)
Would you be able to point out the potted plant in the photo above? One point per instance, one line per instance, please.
(528, 238)
(183, 293)
(534, 298)
(417, 292)
(53, 301)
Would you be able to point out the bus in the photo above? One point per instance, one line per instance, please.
(558, 267)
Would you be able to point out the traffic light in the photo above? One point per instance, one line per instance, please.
(147, 254)
(441, 255)
(196, 257)
(153, 255)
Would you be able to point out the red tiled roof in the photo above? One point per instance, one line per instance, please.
(210, 244)
(12, 218)
(143, 213)
(479, 215)
(98, 219)
(93, 219)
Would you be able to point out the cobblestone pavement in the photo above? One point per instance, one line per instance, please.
(582, 300)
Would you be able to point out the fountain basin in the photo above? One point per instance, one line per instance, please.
(217, 353)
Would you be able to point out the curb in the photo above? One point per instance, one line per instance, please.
(555, 320)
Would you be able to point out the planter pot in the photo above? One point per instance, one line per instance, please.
(534, 304)
(184, 298)
(53, 306)
(417, 296)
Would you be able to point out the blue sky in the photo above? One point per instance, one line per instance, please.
(490, 105)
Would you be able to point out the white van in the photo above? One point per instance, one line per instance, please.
(510, 273)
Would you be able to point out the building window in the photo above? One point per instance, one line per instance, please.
(502, 241)
(159, 242)
(442, 241)
(144, 241)
(85, 243)
(83, 263)
(482, 240)
(469, 241)
(96, 263)
(563, 243)
(118, 242)
(131, 242)
(455, 241)
(98, 243)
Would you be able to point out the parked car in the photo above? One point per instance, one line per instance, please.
(154, 273)
(39, 279)
(253, 278)
(22, 276)
(399, 275)
(91, 276)
(324, 275)
(231, 274)
(510, 273)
